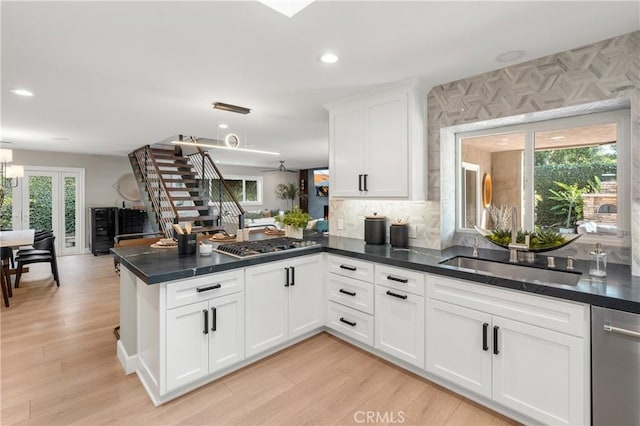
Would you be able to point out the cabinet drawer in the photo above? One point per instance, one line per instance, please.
(353, 293)
(350, 322)
(180, 293)
(401, 279)
(351, 268)
(565, 317)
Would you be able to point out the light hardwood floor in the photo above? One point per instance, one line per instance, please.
(59, 366)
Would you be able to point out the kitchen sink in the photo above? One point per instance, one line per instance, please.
(512, 271)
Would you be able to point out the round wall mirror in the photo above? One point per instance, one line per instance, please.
(487, 190)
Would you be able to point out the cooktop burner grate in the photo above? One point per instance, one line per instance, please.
(258, 247)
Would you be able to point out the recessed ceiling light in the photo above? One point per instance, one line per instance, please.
(329, 58)
(504, 140)
(556, 138)
(510, 56)
(223, 126)
(22, 92)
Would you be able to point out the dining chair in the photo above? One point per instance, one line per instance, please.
(38, 237)
(44, 253)
(5, 277)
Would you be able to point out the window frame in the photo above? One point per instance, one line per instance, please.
(244, 179)
(622, 118)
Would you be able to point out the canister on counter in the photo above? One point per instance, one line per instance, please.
(375, 229)
(399, 234)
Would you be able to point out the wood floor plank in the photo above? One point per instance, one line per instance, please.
(58, 366)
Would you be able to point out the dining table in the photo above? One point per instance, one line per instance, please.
(18, 238)
(12, 240)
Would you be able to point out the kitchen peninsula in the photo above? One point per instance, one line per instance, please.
(187, 320)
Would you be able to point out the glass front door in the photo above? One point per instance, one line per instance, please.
(48, 198)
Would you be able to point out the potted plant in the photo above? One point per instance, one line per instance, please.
(569, 200)
(287, 191)
(294, 221)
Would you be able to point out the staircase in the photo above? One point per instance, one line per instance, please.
(184, 188)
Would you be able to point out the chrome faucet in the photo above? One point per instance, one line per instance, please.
(514, 247)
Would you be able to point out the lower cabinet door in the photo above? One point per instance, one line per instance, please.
(459, 345)
(187, 344)
(266, 305)
(539, 372)
(306, 294)
(399, 324)
(226, 331)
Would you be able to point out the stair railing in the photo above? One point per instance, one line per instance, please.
(164, 209)
(230, 212)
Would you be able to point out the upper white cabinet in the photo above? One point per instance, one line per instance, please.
(376, 144)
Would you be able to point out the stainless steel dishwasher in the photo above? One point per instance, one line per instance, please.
(615, 367)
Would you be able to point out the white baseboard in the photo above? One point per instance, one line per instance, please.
(129, 362)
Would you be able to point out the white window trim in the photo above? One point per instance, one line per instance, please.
(623, 124)
(245, 178)
(476, 168)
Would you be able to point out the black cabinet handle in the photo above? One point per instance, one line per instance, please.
(293, 275)
(206, 321)
(348, 268)
(350, 293)
(485, 344)
(495, 340)
(359, 182)
(351, 323)
(214, 319)
(213, 287)
(286, 282)
(365, 182)
(397, 279)
(399, 296)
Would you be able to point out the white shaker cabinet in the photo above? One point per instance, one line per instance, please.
(528, 353)
(203, 338)
(376, 143)
(283, 300)
(399, 314)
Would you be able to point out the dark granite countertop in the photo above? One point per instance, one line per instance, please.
(619, 290)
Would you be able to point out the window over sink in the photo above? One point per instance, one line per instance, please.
(570, 175)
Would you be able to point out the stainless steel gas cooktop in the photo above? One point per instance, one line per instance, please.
(260, 247)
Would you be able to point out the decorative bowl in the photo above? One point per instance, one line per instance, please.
(566, 240)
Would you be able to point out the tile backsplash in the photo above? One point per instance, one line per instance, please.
(424, 215)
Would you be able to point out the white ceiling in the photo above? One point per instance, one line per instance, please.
(109, 77)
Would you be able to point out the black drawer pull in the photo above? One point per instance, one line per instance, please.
(495, 340)
(399, 296)
(206, 322)
(351, 323)
(286, 279)
(348, 268)
(485, 344)
(359, 182)
(293, 275)
(397, 279)
(347, 292)
(365, 182)
(213, 287)
(214, 319)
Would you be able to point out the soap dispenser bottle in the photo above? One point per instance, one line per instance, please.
(598, 262)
